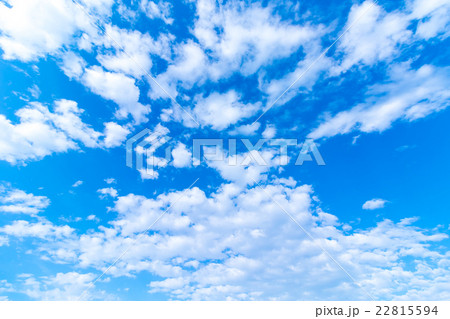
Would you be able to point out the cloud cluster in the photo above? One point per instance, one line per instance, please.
(238, 240)
(407, 95)
(62, 286)
(17, 201)
(35, 28)
(375, 203)
(42, 131)
(241, 243)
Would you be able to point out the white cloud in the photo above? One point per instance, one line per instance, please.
(245, 130)
(77, 183)
(110, 180)
(5, 286)
(182, 157)
(245, 38)
(34, 91)
(4, 241)
(62, 286)
(270, 131)
(237, 243)
(43, 230)
(30, 30)
(301, 79)
(433, 18)
(42, 132)
(187, 69)
(232, 38)
(98, 7)
(33, 138)
(233, 242)
(67, 119)
(115, 134)
(245, 168)
(375, 203)
(374, 37)
(378, 35)
(118, 88)
(72, 65)
(107, 191)
(35, 28)
(221, 110)
(160, 10)
(130, 51)
(148, 173)
(93, 217)
(408, 95)
(17, 201)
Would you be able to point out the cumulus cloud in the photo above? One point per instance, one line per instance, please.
(47, 230)
(129, 52)
(108, 191)
(5, 286)
(270, 131)
(408, 95)
(62, 286)
(67, 119)
(160, 10)
(118, 88)
(232, 38)
(115, 134)
(375, 203)
(187, 69)
(35, 28)
(245, 168)
(245, 130)
(237, 243)
(110, 180)
(17, 201)
(249, 37)
(433, 18)
(27, 34)
(77, 183)
(42, 132)
(221, 110)
(93, 218)
(234, 241)
(72, 65)
(31, 30)
(182, 157)
(376, 36)
(4, 241)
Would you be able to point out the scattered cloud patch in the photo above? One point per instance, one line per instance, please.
(221, 246)
(110, 180)
(160, 10)
(17, 201)
(182, 157)
(118, 88)
(115, 134)
(108, 191)
(77, 183)
(41, 132)
(375, 203)
(408, 95)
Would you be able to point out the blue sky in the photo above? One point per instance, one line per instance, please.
(80, 78)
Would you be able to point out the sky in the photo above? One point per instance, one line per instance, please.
(364, 84)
